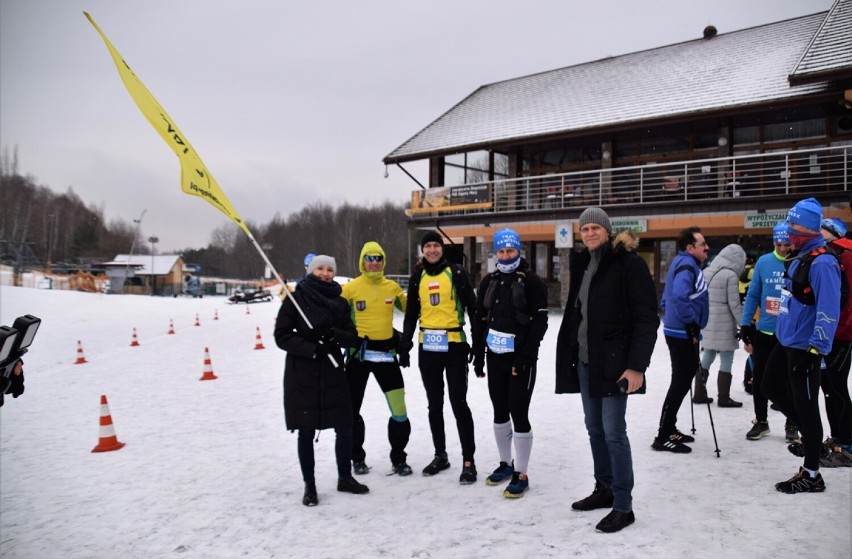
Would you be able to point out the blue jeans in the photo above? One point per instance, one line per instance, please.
(607, 427)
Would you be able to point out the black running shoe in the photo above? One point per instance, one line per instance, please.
(615, 521)
(798, 449)
(670, 445)
(802, 482)
(401, 469)
(468, 474)
(681, 438)
(438, 464)
(601, 498)
(360, 468)
(351, 485)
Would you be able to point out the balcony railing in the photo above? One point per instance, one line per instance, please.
(765, 174)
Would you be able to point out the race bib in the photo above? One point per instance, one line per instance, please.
(500, 342)
(436, 341)
(773, 306)
(783, 304)
(377, 356)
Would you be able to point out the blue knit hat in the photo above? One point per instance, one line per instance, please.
(834, 226)
(807, 213)
(779, 233)
(308, 257)
(507, 238)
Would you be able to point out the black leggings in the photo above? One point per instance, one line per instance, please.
(342, 451)
(684, 356)
(797, 397)
(835, 387)
(432, 367)
(762, 346)
(510, 395)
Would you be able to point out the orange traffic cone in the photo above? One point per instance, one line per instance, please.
(80, 357)
(197, 323)
(171, 326)
(258, 343)
(107, 440)
(215, 314)
(208, 367)
(133, 340)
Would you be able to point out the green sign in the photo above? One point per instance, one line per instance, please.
(766, 220)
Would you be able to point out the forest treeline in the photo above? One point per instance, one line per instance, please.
(39, 225)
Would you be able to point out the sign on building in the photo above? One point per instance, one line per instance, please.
(635, 225)
(766, 220)
(564, 234)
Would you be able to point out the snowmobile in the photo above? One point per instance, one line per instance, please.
(250, 296)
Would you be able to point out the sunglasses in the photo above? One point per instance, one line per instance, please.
(371, 258)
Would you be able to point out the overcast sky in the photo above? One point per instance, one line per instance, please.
(288, 103)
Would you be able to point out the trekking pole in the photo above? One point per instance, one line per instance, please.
(713, 428)
(691, 409)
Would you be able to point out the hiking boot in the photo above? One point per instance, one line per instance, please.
(615, 521)
(681, 438)
(351, 485)
(468, 474)
(401, 469)
(360, 468)
(310, 498)
(503, 472)
(759, 430)
(670, 444)
(438, 464)
(837, 457)
(802, 482)
(601, 498)
(791, 433)
(517, 487)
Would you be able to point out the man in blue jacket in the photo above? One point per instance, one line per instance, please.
(807, 321)
(686, 309)
(764, 298)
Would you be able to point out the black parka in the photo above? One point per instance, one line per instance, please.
(622, 318)
(316, 393)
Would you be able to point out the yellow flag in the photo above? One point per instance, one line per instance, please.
(195, 179)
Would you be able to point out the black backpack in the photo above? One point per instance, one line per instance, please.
(802, 290)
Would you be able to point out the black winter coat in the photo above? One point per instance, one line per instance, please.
(529, 327)
(316, 394)
(622, 319)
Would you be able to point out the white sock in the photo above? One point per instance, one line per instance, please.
(523, 448)
(812, 473)
(503, 436)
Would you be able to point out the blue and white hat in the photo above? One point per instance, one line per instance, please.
(779, 233)
(507, 238)
(308, 257)
(834, 226)
(807, 213)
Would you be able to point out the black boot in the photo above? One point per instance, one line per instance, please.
(724, 384)
(699, 395)
(310, 499)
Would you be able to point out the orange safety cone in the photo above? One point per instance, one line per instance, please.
(197, 323)
(258, 343)
(107, 440)
(80, 357)
(208, 367)
(171, 326)
(215, 314)
(133, 340)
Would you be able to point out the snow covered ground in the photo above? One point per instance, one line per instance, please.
(209, 471)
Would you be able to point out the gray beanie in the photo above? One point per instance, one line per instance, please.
(321, 260)
(597, 216)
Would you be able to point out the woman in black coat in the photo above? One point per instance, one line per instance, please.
(316, 394)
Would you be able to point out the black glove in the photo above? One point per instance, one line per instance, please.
(808, 363)
(693, 332)
(479, 364)
(345, 337)
(747, 333)
(403, 350)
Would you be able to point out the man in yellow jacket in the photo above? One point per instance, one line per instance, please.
(372, 298)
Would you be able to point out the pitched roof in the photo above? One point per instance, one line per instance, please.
(730, 70)
(829, 54)
(142, 263)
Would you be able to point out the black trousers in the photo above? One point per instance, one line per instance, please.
(762, 346)
(835, 387)
(797, 397)
(685, 362)
(342, 452)
(510, 395)
(390, 381)
(432, 367)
